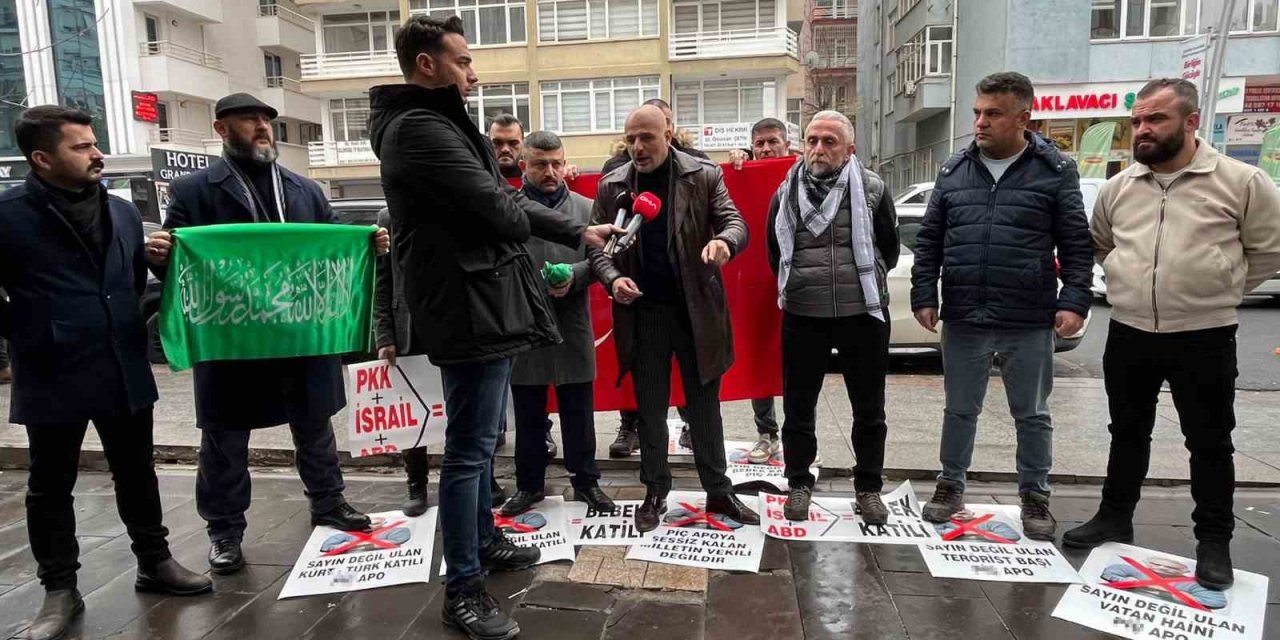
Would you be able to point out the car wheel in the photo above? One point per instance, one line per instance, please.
(155, 349)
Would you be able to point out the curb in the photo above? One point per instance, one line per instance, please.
(16, 458)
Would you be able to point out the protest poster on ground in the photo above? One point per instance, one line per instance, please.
(396, 550)
(545, 526)
(833, 519)
(690, 536)
(743, 472)
(1139, 593)
(615, 528)
(986, 542)
(394, 407)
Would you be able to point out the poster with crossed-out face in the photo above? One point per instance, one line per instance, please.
(693, 537)
(545, 526)
(397, 550)
(1139, 593)
(837, 519)
(742, 471)
(986, 542)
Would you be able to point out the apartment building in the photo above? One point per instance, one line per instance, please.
(1087, 59)
(576, 67)
(830, 47)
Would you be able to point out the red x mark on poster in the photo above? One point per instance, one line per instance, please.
(699, 517)
(1159, 583)
(503, 522)
(366, 538)
(964, 528)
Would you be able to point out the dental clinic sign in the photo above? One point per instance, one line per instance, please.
(1113, 99)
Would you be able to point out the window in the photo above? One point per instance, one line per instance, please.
(1139, 19)
(905, 6)
(162, 112)
(486, 22)
(13, 84)
(488, 101)
(309, 132)
(1249, 16)
(576, 20)
(793, 110)
(350, 119)
(889, 21)
(281, 129)
(271, 62)
(724, 101)
(360, 32)
(928, 53)
(729, 15)
(593, 106)
(78, 62)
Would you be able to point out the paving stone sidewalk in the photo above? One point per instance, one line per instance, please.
(811, 591)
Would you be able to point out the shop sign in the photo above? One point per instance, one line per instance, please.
(1262, 99)
(1250, 128)
(169, 165)
(720, 137)
(1115, 99)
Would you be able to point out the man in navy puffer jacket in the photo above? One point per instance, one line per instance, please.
(1000, 211)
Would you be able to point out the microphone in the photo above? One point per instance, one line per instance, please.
(623, 202)
(646, 207)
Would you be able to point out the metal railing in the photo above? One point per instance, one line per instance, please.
(355, 64)
(835, 62)
(281, 82)
(179, 136)
(180, 52)
(286, 14)
(739, 42)
(835, 13)
(337, 153)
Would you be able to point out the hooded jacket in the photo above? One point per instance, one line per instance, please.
(470, 287)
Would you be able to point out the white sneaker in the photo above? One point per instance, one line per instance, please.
(764, 449)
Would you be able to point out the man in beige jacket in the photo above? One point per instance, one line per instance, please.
(1182, 234)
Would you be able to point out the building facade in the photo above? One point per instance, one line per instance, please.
(1086, 58)
(831, 57)
(576, 67)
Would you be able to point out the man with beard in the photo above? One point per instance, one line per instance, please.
(668, 295)
(1002, 210)
(71, 258)
(234, 397)
(1183, 234)
(833, 237)
(507, 135)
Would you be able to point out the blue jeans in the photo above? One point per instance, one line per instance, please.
(1027, 370)
(475, 397)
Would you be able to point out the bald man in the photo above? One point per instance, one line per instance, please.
(668, 297)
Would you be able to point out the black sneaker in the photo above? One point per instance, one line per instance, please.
(627, 442)
(1104, 526)
(1037, 522)
(872, 507)
(686, 440)
(476, 613)
(796, 508)
(415, 502)
(521, 502)
(947, 499)
(503, 555)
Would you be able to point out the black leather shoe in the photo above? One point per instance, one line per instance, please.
(729, 505)
(650, 512)
(225, 557)
(1213, 565)
(343, 517)
(521, 502)
(59, 610)
(171, 578)
(1103, 527)
(497, 494)
(595, 498)
(415, 502)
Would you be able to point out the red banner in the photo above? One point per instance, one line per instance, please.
(750, 288)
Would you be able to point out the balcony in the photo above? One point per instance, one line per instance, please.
(819, 62)
(285, 94)
(198, 10)
(923, 99)
(835, 13)
(772, 41)
(337, 153)
(185, 140)
(357, 64)
(283, 28)
(167, 67)
(294, 157)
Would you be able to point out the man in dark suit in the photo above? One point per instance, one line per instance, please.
(235, 396)
(71, 261)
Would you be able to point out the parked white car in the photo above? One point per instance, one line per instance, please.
(907, 336)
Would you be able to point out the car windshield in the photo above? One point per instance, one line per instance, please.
(908, 229)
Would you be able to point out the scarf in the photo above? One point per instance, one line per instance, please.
(548, 200)
(258, 208)
(796, 203)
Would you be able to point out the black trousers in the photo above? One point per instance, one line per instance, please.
(1200, 367)
(863, 344)
(661, 331)
(51, 517)
(577, 430)
(224, 489)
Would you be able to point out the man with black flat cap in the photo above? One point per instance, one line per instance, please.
(236, 396)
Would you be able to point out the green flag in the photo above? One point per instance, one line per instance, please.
(253, 291)
(1095, 150)
(1269, 157)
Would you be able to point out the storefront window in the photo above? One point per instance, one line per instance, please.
(13, 87)
(78, 62)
